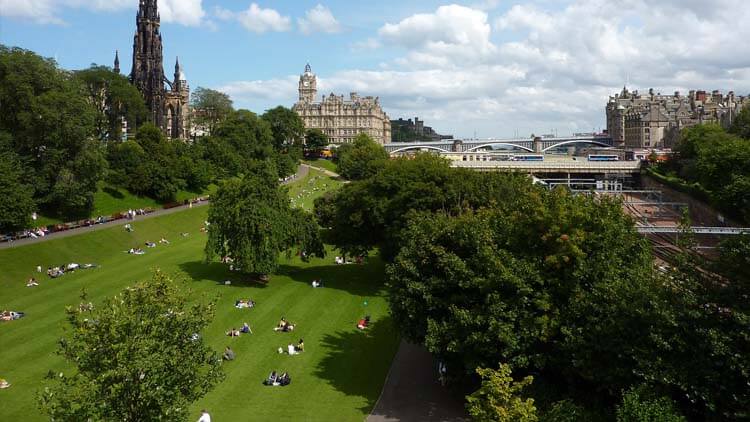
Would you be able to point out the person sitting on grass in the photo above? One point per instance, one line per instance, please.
(164, 241)
(32, 282)
(284, 326)
(246, 329)
(363, 323)
(281, 325)
(4, 384)
(317, 283)
(233, 332)
(284, 380)
(271, 380)
(300, 346)
(291, 350)
(228, 354)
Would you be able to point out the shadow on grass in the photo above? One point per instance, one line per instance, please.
(219, 273)
(356, 362)
(358, 280)
(113, 192)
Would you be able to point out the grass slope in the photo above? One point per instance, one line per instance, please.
(314, 185)
(322, 163)
(339, 376)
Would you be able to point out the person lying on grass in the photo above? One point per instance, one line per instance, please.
(271, 380)
(233, 332)
(246, 329)
(10, 315)
(284, 326)
(300, 346)
(32, 282)
(150, 244)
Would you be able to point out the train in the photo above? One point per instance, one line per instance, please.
(603, 157)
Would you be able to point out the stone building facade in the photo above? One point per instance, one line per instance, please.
(168, 108)
(341, 119)
(654, 121)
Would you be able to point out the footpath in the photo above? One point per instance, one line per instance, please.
(302, 171)
(412, 391)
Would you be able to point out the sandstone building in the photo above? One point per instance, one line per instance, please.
(654, 120)
(341, 119)
(168, 108)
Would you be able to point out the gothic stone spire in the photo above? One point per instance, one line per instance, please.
(148, 71)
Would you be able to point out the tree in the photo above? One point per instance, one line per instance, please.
(287, 127)
(315, 140)
(252, 222)
(17, 203)
(499, 400)
(211, 107)
(361, 159)
(741, 124)
(641, 405)
(114, 98)
(138, 356)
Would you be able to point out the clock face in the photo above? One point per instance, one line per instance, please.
(306, 83)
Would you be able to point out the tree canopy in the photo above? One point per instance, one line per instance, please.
(211, 107)
(361, 159)
(315, 140)
(252, 222)
(138, 356)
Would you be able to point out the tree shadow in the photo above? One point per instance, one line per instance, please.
(219, 273)
(115, 193)
(359, 280)
(356, 362)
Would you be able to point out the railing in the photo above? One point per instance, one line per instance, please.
(696, 230)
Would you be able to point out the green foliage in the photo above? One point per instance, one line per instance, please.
(50, 119)
(567, 411)
(135, 356)
(720, 163)
(499, 398)
(641, 405)
(315, 140)
(287, 127)
(114, 98)
(211, 107)
(252, 222)
(361, 159)
(17, 203)
(741, 124)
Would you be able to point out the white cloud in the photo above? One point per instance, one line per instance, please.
(185, 12)
(539, 66)
(453, 34)
(319, 19)
(257, 19)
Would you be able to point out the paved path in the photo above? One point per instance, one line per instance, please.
(302, 171)
(413, 393)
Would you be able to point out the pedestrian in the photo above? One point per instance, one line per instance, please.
(205, 417)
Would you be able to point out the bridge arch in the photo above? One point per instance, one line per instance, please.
(417, 147)
(592, 142)
(473, 149)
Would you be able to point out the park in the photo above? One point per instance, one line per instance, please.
(339, 376)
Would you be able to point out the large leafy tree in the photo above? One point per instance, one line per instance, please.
(114, 98)
(50, 119)
(361, 159)
(741, 124)
(252, 222)
(17, 204)
(138, 356)
(211, 107)
(315, 140)
(287, 127)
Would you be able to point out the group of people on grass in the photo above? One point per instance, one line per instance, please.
(10, 315)
(276, 380)
(244, 304)
(236, 333)
(291, 349)
(55, 272)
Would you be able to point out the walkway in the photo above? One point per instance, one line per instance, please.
(302, 171)
(412, 391)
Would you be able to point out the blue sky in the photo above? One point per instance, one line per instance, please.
(492, 67)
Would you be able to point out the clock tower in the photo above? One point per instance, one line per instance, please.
(308, 86)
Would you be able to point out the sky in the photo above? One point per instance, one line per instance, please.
(484, 68)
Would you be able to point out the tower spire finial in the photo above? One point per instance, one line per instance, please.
(117, 61)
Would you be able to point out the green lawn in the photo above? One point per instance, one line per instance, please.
(322, 163)
(315, 184)
(337, 378)
(109, 200)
